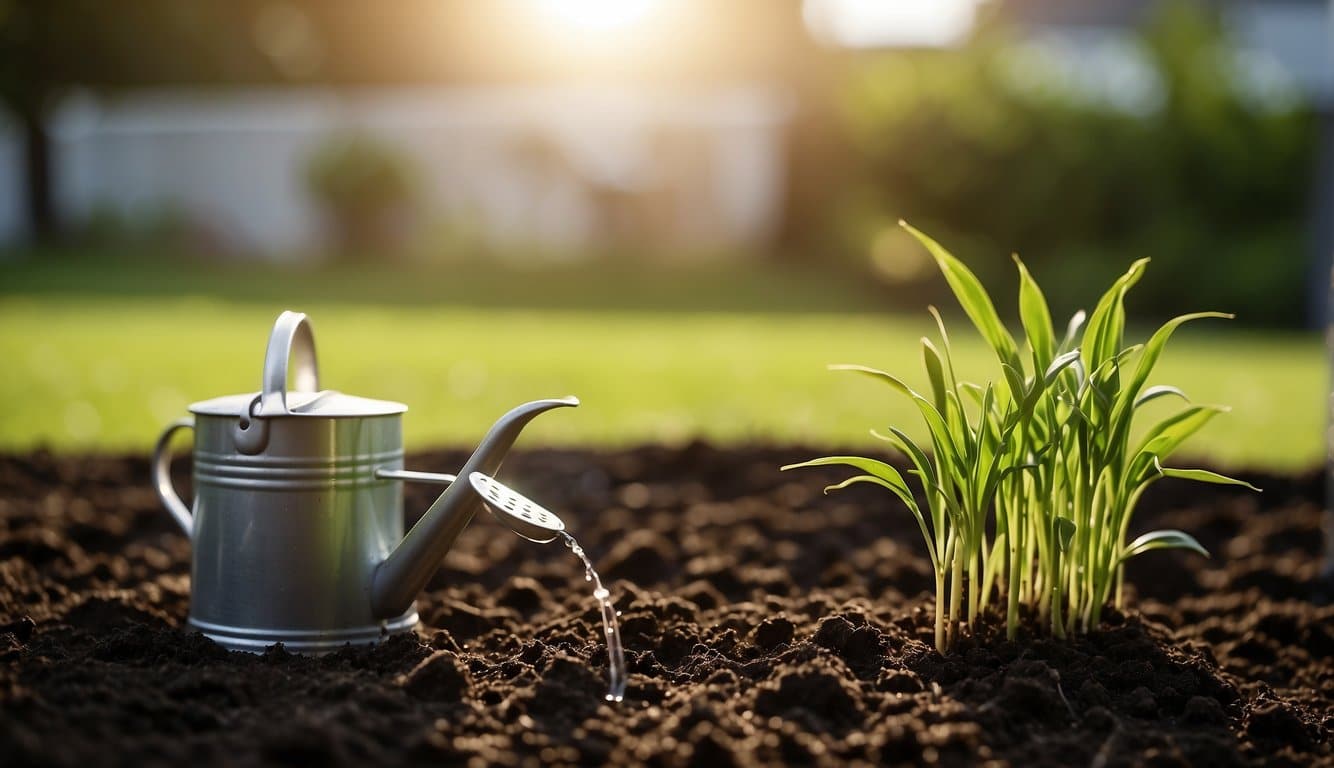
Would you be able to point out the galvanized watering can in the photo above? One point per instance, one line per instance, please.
(297, 521)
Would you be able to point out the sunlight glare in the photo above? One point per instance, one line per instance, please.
(595, 15)
(889, 23)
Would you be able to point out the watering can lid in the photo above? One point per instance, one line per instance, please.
(326, 403)
(292, 345)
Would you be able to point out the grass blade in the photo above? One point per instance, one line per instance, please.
(913, 451)
(1106, 325)
(1153, 349)
(871, 466)
(1167, 435)
(935, 372)
(947, 449)
(1059, 364)
(1036, 317)
(1072, 330)
(1202, 476)
(994, 560)
(876, 373)
(972, 297)
(1162, 539)
(1162, 390)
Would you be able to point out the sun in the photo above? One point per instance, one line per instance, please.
(595, 15)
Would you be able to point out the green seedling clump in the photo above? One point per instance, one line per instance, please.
(1030, 483)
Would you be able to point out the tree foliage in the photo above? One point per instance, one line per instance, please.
(992, 145)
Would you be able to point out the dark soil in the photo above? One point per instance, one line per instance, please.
(764, 624)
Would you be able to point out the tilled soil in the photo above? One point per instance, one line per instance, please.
(764, 624)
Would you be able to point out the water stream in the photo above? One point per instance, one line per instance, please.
(615, 653)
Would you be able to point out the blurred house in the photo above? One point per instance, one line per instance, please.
(565, 123)
(562, 123)
(563, 167)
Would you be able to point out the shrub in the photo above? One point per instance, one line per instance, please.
(365, 191)
(994, 146)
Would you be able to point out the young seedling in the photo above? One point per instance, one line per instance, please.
(1045, 452)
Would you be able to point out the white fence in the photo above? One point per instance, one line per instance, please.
(562, 167)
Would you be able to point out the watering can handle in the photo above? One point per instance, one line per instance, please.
(162, 476)
(292, 340)
(291, 343)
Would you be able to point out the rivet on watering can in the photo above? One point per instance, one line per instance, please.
(251, 435)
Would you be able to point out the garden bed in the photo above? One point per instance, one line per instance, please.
(763, 622)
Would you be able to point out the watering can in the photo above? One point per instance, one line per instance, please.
(296, 528)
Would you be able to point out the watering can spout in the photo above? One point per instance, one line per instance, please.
(406, 570)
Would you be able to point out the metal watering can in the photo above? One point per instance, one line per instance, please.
(297, 521)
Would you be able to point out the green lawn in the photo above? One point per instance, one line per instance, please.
(88, 369)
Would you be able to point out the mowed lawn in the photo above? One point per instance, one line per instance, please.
(107, 372)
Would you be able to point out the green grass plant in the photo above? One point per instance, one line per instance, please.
(1047, 451)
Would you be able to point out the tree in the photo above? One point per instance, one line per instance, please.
(48, 47)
